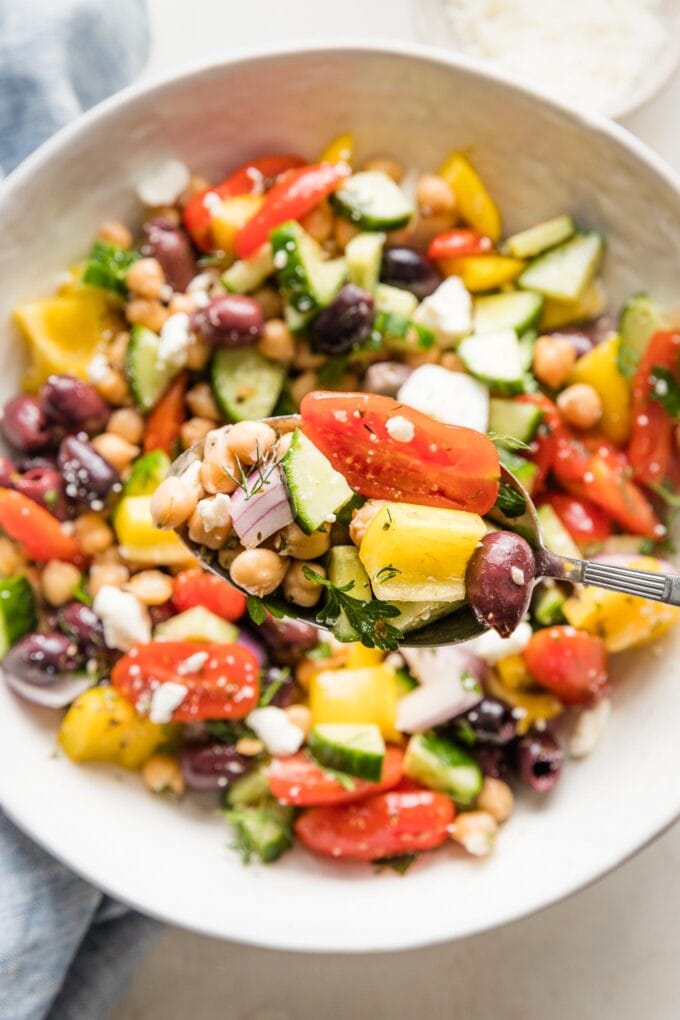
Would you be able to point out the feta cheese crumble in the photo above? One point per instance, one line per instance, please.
(175, 338)
(517, 575)
(163, 183)
(278, 734)
(215, 512)
(400, 428)
(451, 397)
(448, 311)
(125, 620)
(98, 369)
(491, 647)
(165, 699)
(589, 729)
(193, 663)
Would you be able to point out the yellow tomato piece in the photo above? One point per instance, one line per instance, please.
(101, 725)
(599, 369)
(483, 272)
(359, 656)
(565, 313)
(366, 695)
(419, 553)
(621, 620)
(532, 705)
(65, 332)
(475, 204)
(233, 214)
(339, 150)
(140, 541)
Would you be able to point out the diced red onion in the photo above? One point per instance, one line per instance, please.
(435, 703)
(57, 695)
(255, 518)
(445, 663)
(250, 642)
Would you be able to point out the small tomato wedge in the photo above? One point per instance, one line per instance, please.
(293, 195)
(41, 536)
(199, 588)
(569, 663)
(221, 684)
(543, 450)
(384, 825)
(584, 521)
(461, 241)
(652, 450)
(165, 422)
(386, 450)
(300, 781)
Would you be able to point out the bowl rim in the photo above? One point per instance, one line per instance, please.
(37, 163)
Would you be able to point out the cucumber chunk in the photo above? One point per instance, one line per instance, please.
(518, 421)
(147, 473)
(516, 309)
(344, 567)
(495, 359)
(442, 765)
(528, 243)
(265, 830)
(316, 490)
(524, 471)
(565, 272)
(307, 281)
(372, 201)
(394, 299)
(18, 614)
(246, 384)
(197, 624)
(640, 318)
(592, 303)
(556, 537)
(352, 749)
(547, 602)
(252, 788)
(246, 275)
(148, 376)
(364, 255)
(398, 333)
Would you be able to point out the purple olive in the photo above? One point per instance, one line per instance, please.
(170, 246)
(73, 405)
(159, 614)
(80, 623)
(45, 486)
(8, 473)
(29, 463)
(493, 761)
(288, 638)
(286, 693)
(229, 321)
(490, 721)
(213, 766)
(538, 760)
(407, 268)
(42, 658)
(499, 579)
(87, 476)
(345, 323)
(386, 378)
(25, 424)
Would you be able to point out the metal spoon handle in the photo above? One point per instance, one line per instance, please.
(641, 583)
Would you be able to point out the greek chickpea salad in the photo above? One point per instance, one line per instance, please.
(423, 348)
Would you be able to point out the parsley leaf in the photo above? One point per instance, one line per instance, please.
(80, 592)
(369, 619)
(107, 267)
(664, 389)
(332, 371)
(273, 687)
(509, 442)
(258, 609)
(509, 501)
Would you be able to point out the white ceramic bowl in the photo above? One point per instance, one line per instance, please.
(539, 159)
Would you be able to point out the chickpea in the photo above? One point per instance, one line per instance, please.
(219, 470)
(162, 773)
(174, 501)
(151, 587)
(304, 384)
(146, 312)
(416, 358)
(319, 222)
(114, 449)
(228, 553)
(580, 405)
(554, 359)
(434, 196)
(199, 353)
(114, 574)
(283, 445)
(117, 349)
(107, 557)
(201, 402)
(450, 360)
(146, 278)
(11, 559)
(128, 424)
(386, 165)
(210, 523)
(270, 301)
(92, 534)
(475, 831)
(113, 387)
(293, 542)
(58, 582)
(362, 517)
(249, 746)
(250, 441)
(300, 716)
(307, 358)
(182, 303)
(496, 798)
(299, 589)
(277, 342)
(195, 429)
(343, 232)
(165, 212)
(258, 571)
(115, 232)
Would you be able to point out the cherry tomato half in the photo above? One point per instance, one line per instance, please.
(299, 780)
(200, 588)
(569, 663)
(40, 535)
(651, 451)
(584, 521)
(461, 241)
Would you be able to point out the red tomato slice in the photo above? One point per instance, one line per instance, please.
(200, 588)
(584, 521)
(544, 446)
(461, 241)
(569, 663)
(40, 535)
(385, 825)
(224, 684)
(293, 195)
(651, 451)
(299, 780)
(386, 450)
(165, 422)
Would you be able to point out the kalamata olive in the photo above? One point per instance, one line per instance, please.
(159, 614)
(46, 487)
(538, 759)
(493, 761)
(25, 424)
(73, 405)
(171, 248)
(288, 638)
(29, 463)
(285, 686)
(87, 476)
(490, 721)
(213, 766)
(229, 321)
(407, 268)
(41, 658)
(498, 580)
(345, 323)
(80, 623)
(8, 472)
(386, 378)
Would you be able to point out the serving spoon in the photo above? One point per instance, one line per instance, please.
(461, 624)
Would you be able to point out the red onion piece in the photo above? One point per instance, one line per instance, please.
(255, 518)
(435, 703)
(250, 642)
(445, 663)
(57, 695)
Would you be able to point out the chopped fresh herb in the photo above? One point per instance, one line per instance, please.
(80, 592)
(465, 733)
(331, 372)
(664, 389)
(50, 498)
(107, 267)
(256, 609)
(258, 478)
(509, 442)
(400, 863)
(470, 683)
(322, 651)
(509, 501)
(369, 619)
(386, 573)
(226, 731)
(264, 830)
(272, 689)
(388, 523)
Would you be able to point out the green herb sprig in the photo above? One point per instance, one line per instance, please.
(369, 619)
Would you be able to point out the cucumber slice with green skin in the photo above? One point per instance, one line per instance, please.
(528, 243)
(413, 615)
(495, 359)
(397, 333)
(355, 750)
(372, 201)
(442, 765)
(516, 309)
(344, 514)
(316, 490)
(148, 377)
(197, 624)
(526, 348)
(565, 272)
(246, 384)
(524, 471)
(547, 602)
(641, 317)
(307, 281)
(345, 567)
(147, 473)
(518, 421)
(252, 788)
(556, 537)
(246, 275)
(265, 830)
(18, 614)
(363, 255)
(394, 299)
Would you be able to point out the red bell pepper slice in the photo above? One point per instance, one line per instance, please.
(461, 241)
(166, 419)
(199, 588)
(651, 451)
(41, 536)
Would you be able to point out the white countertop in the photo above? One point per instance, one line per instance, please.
(608, 953)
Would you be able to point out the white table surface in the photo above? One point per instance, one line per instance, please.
(610, 952)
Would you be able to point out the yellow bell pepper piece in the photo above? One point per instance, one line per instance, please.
(366, 695)
(621, 620)
(233, 214)
(599, 369)
(419, 553)
(101, 725)
(475, 204)
(513, 672)
(532, 704)
(565, 313)
(483, 272)
(140, 541)
(339, 150)
(359, 656)
(65, 332)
